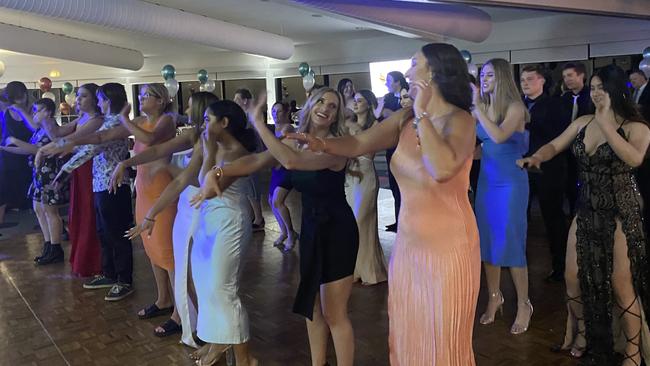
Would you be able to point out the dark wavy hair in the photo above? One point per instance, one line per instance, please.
(369, 96)
(49, 105)
(236, 122)
(449, 71)
(615, 84)
(115, 93)
(398, 76)
(341, 85)
(245, 93)
(15, 90)
(92, 89)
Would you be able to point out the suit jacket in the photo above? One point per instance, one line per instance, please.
(644, 102)
(584, 102)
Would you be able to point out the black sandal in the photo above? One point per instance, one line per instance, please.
(153, 311)
(169, 327)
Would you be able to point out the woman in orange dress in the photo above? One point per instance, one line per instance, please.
(434, 273)
(156, 126)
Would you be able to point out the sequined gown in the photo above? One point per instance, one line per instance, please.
(607, 193)
(434, 273)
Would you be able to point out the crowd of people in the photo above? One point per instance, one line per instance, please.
(585, 148)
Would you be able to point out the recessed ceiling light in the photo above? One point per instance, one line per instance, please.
(317, 15)
(55, 73)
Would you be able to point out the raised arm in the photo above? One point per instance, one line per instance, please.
(499, 133)
(164, 130)
(159, 151)
(25, 116)
(380, 136)
(289, 157)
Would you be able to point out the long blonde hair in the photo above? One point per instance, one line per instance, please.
(337, 127)
(505, 91)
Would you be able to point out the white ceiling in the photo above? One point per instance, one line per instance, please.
(327, 33)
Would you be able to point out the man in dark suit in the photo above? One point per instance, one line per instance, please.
(549, 117)
(641, 93)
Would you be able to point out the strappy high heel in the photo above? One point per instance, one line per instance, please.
(517, 329)
(201, 362)
(637, 336)
(575, 350)
(489, 319)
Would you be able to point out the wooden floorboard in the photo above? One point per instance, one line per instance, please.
(89, 331)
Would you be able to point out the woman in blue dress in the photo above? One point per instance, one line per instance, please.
(502, 193)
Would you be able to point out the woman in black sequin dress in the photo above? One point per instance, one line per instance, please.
(606, 263)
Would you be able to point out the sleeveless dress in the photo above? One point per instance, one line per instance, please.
(149, 185)
(434, 274)
(222, 234)
(15, 173)
(329, 238)
(361, 190)
(607, 192)
(41, 189)
(502, 200)
(185, 225)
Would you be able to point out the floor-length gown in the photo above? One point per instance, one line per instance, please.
(607, 194)
(361, 190)
(85, 249)
(222, 234)
(434, 274)
(149, 185)
(502, 200)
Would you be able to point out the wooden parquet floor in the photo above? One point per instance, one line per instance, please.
(46, 318)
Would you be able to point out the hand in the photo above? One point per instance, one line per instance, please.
(50, 149)
(423, 92)
(60, 178)
(124, 113)
(11, 140)
(256, 112)
(531, 163)
(117, 178)
(209, 189)
(145, 226)
(314, 144)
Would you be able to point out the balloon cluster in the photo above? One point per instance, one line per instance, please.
(207, 85)
(308, 76)
(168, 73)
(472, 69)
(45, 84)
(68, 90)
(645, 63)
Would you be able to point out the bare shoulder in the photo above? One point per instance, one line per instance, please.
(462, 120)
(636, 127)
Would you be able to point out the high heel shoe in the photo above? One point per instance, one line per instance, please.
(202, 362)
(487, 318)
(522, 328)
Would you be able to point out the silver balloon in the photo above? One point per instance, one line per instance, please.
(646, 52)
(208, 86)
(467, 56)
(472, 69)
(70, 98)
(645, 66)
(172, 87)
(308, 81)
(49, 95)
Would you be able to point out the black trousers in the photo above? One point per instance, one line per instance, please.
(392, 183)
(114, 216)
(549, 190)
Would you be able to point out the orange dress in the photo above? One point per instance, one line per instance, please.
(434, 273)
(149, 185)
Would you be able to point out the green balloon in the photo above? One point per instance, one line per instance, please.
(168, 72)
(202, 75)
(303, 69)
(67, 88)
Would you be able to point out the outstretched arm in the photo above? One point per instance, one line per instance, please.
(556, 146)
(164, 130)
(21, 148)
(380, 136)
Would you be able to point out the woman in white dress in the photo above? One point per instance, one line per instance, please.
(361, 190)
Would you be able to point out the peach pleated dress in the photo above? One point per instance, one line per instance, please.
(434, 274)
(149, 185)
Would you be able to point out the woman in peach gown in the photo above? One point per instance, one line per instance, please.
(434, 273)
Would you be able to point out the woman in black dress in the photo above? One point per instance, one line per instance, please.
(329, 238)
(606, 262)
(15, 173)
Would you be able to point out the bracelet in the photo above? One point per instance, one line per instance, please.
(417, 119)
(322, 141)
(61, 142)
(148, 219)
(218, 170)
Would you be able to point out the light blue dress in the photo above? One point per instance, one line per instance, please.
(502, 200)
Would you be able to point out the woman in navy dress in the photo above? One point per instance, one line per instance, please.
(502, 193)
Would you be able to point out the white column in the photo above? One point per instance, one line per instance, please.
(270, 93)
